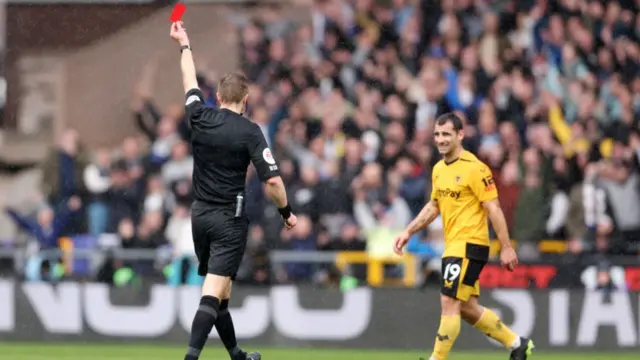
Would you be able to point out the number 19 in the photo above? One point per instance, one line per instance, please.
(451, 272)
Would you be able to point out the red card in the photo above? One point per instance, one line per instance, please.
(177, 12)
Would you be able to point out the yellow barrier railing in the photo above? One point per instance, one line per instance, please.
(375, 266)
(546, 246)
(66, 245)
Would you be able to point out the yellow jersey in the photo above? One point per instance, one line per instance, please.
(460, 188)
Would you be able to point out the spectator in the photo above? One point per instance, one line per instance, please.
(64, 168)
(181, 194)
(124, 200)
(157, 195)
(508, 183)
(351, 163)
(97, 181)
(333, 201)
(48, 226)
(133, 160)
(380, 219)
(150, 234)
(46, 230)
(163, 142)
(178, 234)
(301, 238)
(261, 117)
(127, 233)
(179, 166)
(255, 200)
(149, 237)
(622, 192)
(63, 176)
(114, 271)
(350, 239)
(305, 194)
(429, 249)
(255, 268)
(413, 185)
(531, 207)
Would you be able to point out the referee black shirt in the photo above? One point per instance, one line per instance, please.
(224, 143)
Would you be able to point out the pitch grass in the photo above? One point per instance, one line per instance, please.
(36, 351)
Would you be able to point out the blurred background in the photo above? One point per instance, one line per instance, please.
(95, 165)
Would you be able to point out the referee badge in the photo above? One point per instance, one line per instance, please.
(268, 157)
(457, 179)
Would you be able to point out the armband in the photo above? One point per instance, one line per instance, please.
(285, 211)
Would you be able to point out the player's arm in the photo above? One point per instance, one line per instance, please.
(428, 213)
(508, 257)
(484, 188)
(498, 221)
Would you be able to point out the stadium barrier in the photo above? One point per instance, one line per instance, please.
(90, 259)
(304, 316)
(551, 271)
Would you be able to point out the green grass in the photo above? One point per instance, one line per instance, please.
(25, 351)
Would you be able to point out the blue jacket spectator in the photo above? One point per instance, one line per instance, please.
(49, 225)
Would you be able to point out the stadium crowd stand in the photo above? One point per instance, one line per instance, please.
(550, 95)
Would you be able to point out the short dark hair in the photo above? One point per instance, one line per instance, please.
(233, 87)
(454, 119)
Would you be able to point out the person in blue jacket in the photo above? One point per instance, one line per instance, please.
(46, 229)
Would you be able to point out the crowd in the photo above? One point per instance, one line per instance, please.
(549, 92)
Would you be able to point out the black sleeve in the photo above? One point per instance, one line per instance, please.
(144, 127)
(153, 111)
(261, 156)
(194, 105)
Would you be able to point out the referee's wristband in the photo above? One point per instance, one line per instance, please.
(185, 47)
(285, 211)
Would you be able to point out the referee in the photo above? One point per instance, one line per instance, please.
(224, 143)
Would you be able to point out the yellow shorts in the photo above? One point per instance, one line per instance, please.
(460, 277)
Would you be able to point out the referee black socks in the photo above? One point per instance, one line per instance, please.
(224, 326)
(202, 324)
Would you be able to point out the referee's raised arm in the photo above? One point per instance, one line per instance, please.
(195, 98)
(179, 34)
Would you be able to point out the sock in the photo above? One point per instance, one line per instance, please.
(490, 324)
(224, 326)
(202, 324)
(447, 334)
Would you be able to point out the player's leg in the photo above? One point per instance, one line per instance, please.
(449, 328)
(487, 321)
(490, 324)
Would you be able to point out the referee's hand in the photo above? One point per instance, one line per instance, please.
(179, 33)
(290, 222)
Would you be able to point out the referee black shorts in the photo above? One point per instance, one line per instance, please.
(219, 238)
